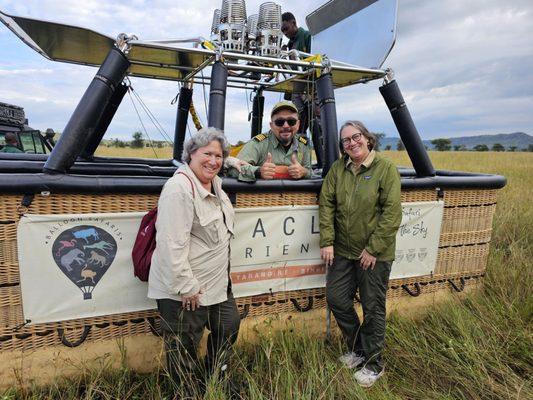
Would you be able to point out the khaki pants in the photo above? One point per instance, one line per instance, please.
(344, 277)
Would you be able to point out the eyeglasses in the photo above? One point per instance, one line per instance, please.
(281, 121)
(355, 137)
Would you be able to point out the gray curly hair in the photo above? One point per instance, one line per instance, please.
(201, 139)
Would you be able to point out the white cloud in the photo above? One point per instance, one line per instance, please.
(463, 67)
(27, 71)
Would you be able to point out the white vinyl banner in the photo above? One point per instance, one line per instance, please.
(417, 241)
(77, 266)
(276, 249)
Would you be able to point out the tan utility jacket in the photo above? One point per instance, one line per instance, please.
(193, 233)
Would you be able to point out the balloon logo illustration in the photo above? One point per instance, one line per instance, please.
(399, 255)
(84, 254)
(422, 254)
(411, 254)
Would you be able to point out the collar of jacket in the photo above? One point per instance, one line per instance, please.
(202, 192)
(349, 164)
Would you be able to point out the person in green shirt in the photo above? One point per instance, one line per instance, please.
(279, 153)
(299, 38)
(359, 215)
(11, 145)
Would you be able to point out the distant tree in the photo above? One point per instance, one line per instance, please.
(118, 143)
(442, 144)
(498, 147)
(379, 139)
(388, 147)
(459, 147)
(530, 147)
(512, 148)
(481, 147)
(400, 146)
(137, 141)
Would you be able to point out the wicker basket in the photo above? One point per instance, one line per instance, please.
(461, 262)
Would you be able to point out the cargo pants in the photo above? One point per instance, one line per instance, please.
(343, 278)
(183, 329)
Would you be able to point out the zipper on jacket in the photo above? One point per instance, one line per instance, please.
(352, 195)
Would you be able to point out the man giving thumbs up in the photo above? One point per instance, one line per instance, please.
(278, 147)
(268, 169)
(296, 171)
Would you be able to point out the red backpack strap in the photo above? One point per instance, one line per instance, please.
(192, 185)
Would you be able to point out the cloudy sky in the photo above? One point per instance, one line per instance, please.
(464, 67)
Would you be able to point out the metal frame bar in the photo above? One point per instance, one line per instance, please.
(160, 65)
(267, 60)
(198, 68)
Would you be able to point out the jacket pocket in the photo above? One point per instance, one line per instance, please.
(206, 228)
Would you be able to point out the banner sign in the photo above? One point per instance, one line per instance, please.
(276, 249)
(79, 265)
(417, 240)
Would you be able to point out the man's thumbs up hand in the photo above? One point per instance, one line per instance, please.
(294, 159)
(268, 169)
(296, 171)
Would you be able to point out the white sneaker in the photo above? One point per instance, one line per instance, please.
(366, 377)
(352, 360)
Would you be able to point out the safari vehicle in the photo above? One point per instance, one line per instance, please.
(13, 119)
(68, 219)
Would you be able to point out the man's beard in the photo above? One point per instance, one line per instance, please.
(285, 141)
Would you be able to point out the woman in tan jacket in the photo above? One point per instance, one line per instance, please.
(189, 275)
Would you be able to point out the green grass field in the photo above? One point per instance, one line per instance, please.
(478, 347)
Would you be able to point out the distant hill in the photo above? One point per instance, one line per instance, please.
(519, 139)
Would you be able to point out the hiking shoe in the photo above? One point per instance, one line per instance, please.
(352, 360)
(366, 377)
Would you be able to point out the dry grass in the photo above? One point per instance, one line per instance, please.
(145, 152)
(479, 347)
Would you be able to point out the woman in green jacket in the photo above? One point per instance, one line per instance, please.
(360, 213)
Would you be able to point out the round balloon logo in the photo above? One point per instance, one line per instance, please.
(83, 254)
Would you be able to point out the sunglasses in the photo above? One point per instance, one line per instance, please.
(281, 121)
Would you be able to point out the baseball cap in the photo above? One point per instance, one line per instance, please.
(283, 105)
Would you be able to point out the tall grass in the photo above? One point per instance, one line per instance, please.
(469, 347)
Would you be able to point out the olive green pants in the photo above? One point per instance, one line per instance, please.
(183, 329)
(343, 278)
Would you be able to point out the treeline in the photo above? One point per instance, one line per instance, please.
(442, 144)
(446, 145)
(137, 142)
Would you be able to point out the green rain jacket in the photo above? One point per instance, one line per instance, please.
(361, 210)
